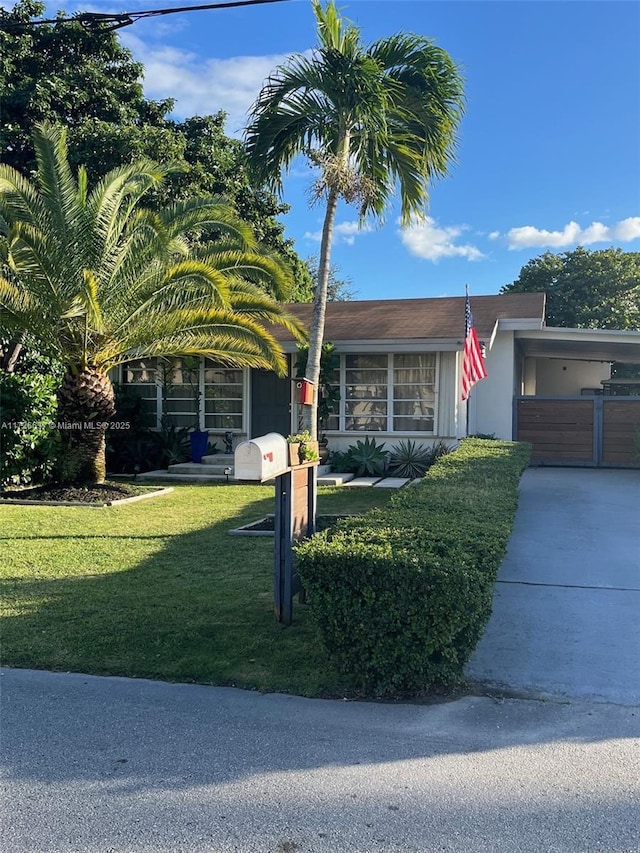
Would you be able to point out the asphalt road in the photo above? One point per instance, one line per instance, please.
(110, 765)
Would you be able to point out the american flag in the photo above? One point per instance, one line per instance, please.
(473, 369)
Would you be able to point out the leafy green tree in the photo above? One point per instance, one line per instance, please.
(338, 289)
(97, 280)
(370, 118)
(91, 84)
(585, 289)
(66, 74)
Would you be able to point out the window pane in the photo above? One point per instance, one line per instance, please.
(409, 376)
(333, 422)
(218, 391)
(140, 372)
(186, 406)
(413, 359)
(414, 392)
(366, 392)
(233, 407)
(411, 407)
(222, 375)
(366, 424)
(223, 422)
(366, 407)
(366, 361)
(366, 377)
(413, 424)
(223, 396)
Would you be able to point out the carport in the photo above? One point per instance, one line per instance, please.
(569, 409)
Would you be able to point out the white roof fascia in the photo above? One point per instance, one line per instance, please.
(516, 324)
(555, 333)
(391, 345)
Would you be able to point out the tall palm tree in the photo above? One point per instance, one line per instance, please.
(371, 118)
(98, 280)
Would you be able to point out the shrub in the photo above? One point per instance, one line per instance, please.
(401, 595)
(28, 438)
(408, 459)
(367, 458)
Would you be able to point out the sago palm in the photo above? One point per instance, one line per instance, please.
(372, 118)
(98, 280)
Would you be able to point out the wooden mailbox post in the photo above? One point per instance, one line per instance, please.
(266, 458)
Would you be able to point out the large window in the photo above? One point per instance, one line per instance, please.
(180, 388)
(414, 384)
(223, 397)
(387, 393)
(366, 392)
(140, 377)
(188, 392)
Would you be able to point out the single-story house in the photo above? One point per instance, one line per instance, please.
(400, 377)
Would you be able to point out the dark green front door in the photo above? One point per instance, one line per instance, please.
(270, 403)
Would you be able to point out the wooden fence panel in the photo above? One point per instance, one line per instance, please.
(620, 432)
(559, 430)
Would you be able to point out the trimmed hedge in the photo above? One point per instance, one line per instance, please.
(402, 595)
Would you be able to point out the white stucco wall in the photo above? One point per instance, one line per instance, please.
(568, 376)
(491, 402)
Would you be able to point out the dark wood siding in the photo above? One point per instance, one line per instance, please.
(559, 430)
(620, 431)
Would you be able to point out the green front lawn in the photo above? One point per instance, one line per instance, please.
(158, 589)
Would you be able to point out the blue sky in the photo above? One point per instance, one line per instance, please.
(549, 154)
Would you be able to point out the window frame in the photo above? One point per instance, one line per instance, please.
(390, 356)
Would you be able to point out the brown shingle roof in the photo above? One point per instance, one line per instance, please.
(406, 319)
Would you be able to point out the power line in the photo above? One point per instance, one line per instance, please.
(106, 22)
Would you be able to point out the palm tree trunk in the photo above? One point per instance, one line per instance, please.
(85, 404)
(13, 349)
(316, 332)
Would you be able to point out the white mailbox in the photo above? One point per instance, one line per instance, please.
(261, 458)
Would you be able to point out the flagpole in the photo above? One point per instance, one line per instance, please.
(473, 367)
(466, 402)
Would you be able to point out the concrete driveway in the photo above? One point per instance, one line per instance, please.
(566, 618)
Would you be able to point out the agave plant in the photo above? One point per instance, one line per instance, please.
(367, 458)
(97, 280)
(408, 459)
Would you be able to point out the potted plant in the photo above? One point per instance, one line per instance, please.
(302, 448)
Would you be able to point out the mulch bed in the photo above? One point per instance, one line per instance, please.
(99, 494)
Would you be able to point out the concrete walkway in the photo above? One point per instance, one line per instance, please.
(566, 619)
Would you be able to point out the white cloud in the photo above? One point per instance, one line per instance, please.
(528, 236)
(344, 232)
(425, 239)
(494, 235)
(627, 229)
(203, 86)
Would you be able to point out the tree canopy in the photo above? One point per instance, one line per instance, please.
(98, 280)
(90, 83)
(585, 289)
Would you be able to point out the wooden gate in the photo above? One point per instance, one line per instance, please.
(597, 431)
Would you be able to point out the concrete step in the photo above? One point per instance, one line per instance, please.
(334, 479)
(225, 459)
(164, 476)
(198, 468)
